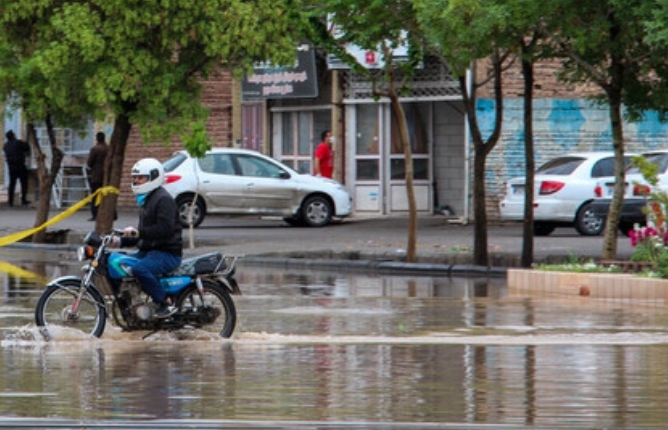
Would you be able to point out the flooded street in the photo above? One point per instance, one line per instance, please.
(354, 350)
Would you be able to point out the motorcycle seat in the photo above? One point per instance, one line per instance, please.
(199, 265)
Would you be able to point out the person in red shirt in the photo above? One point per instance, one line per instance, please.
(323, 164)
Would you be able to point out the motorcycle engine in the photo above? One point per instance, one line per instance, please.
(136, 300)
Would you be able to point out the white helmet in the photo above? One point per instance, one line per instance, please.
(152, 170)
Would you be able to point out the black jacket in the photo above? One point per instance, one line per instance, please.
(16, 152)
(159, 227)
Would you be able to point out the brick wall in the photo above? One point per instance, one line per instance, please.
(217, 96)
(546, 84)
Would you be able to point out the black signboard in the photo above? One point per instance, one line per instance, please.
(269, 82)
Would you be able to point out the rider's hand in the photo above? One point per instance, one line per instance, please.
(115, 242)
(130, 232)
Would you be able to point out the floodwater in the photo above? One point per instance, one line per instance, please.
(346, 350)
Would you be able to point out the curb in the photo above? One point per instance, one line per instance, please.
(378, 266)
(318, 259)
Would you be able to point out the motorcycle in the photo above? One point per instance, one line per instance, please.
(200, 288)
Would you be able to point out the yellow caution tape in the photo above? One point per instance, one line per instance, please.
(98, 194)
(20, 272)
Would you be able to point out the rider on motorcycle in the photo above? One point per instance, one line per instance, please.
(158, 235)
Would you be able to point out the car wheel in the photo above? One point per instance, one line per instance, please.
(316, 211)
(184, 204)
(587, 223)
(543, 228)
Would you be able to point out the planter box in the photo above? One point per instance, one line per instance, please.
(617, 286)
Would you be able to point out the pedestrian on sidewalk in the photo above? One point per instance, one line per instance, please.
(323, 163)
(95, 164)
(16, 153)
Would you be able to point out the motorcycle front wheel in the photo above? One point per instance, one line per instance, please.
(58, 306)
(211, 309)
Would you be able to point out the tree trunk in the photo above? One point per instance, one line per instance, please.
(400, 117)
(526, 259)
(611, 226)
(480, 251)
(481, 149)
(113, 172)
(45, 178)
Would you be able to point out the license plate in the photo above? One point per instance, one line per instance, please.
(610, 189)
(517, 190)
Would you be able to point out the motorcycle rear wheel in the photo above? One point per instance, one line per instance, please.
(213, 296)
(54, 309)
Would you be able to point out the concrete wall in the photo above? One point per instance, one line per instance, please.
(449, 156)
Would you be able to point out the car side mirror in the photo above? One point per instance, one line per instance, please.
(284, 175)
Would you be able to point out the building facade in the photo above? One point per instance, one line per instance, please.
(369, 158)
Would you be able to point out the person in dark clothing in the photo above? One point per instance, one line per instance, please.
(95, 164)
(16, 152)
(158, 235)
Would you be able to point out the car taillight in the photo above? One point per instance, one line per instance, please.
(550, 187)
(172, 178)
(598, 191)
(641, 190)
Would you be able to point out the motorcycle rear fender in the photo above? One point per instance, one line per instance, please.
(230, 284)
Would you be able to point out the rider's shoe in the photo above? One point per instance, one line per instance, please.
(164, 311)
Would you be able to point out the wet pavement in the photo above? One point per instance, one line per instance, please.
(338, 348)
(321, 350)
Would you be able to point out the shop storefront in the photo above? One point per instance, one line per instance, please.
(370, 156)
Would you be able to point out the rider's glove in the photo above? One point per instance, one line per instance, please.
(130, 232)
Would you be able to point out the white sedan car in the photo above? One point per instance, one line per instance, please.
(636, 192)
(564, 190)
(242, 182)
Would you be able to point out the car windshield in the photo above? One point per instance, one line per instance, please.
(660, 159)
(560, 166)
(174, 161)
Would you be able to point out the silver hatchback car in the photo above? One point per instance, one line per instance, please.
(233, 181)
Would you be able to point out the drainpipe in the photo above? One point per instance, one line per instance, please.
(467, 155)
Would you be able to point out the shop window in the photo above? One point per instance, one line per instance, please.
(300, 135)
(367, 130)
(368, 170)
(416, 119)
(398, 169)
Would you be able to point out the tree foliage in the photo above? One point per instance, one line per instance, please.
(608, 43)
(462, 32)
(142, 61)
(382, 26)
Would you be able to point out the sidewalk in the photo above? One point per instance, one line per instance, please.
(358, 238)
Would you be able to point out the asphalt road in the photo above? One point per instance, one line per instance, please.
(438, 240)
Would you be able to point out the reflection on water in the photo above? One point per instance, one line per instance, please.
(326, 347)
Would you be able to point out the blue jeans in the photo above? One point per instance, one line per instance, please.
(151, 264)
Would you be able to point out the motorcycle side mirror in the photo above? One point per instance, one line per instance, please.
(93, 239)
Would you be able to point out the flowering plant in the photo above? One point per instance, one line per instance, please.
(649, 243)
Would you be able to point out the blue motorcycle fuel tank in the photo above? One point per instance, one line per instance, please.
(120, 265)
